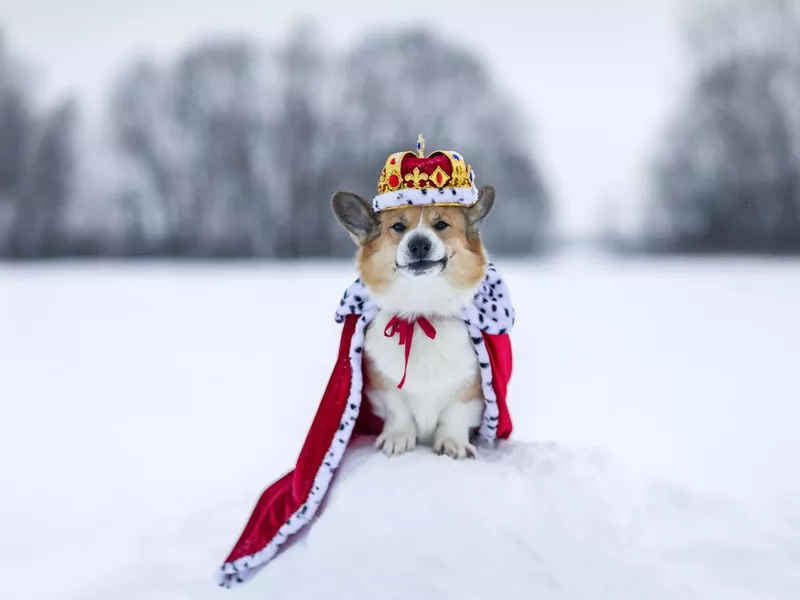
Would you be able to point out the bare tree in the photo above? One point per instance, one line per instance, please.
(304, 149)
(728, 174)
(38, 227)
(225, 115)
(142, 131)
(16, 132)
(200, 137)
(398, 85)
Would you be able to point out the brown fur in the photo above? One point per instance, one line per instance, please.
(471, 390)
(466, 257)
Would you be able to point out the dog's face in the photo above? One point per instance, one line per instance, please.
(418, 259)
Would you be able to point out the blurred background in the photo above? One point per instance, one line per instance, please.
(166, 169)
(166, 130)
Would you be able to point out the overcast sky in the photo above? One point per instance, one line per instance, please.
(597, 78)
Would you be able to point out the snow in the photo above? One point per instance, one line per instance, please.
(144, 409)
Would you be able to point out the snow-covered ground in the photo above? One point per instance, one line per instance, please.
(655, 455)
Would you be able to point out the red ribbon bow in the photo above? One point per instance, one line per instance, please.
(405, 329)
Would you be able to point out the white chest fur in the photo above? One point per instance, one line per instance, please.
(440, 371)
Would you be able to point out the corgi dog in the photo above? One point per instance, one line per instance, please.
(421, 265)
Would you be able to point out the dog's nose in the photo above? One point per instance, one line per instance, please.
(420, 247)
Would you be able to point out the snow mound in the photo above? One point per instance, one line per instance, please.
(520, 521)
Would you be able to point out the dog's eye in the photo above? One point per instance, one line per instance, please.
(399, 227)
(441, 226)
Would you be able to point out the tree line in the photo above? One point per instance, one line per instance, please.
(726, 177)
(234, 149)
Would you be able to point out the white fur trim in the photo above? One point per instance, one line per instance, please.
(491, 312)
(244, 568)
(425, 197)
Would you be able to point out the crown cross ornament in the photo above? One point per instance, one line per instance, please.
(410, 178)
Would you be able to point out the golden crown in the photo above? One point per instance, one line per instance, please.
(411, 178)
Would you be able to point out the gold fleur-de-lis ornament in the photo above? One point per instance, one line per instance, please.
(416, 177)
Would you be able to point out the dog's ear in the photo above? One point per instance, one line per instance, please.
(356, 216)
(478, 212)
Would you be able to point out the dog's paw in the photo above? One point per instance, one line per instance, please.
(396, 442)
(453, 448)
